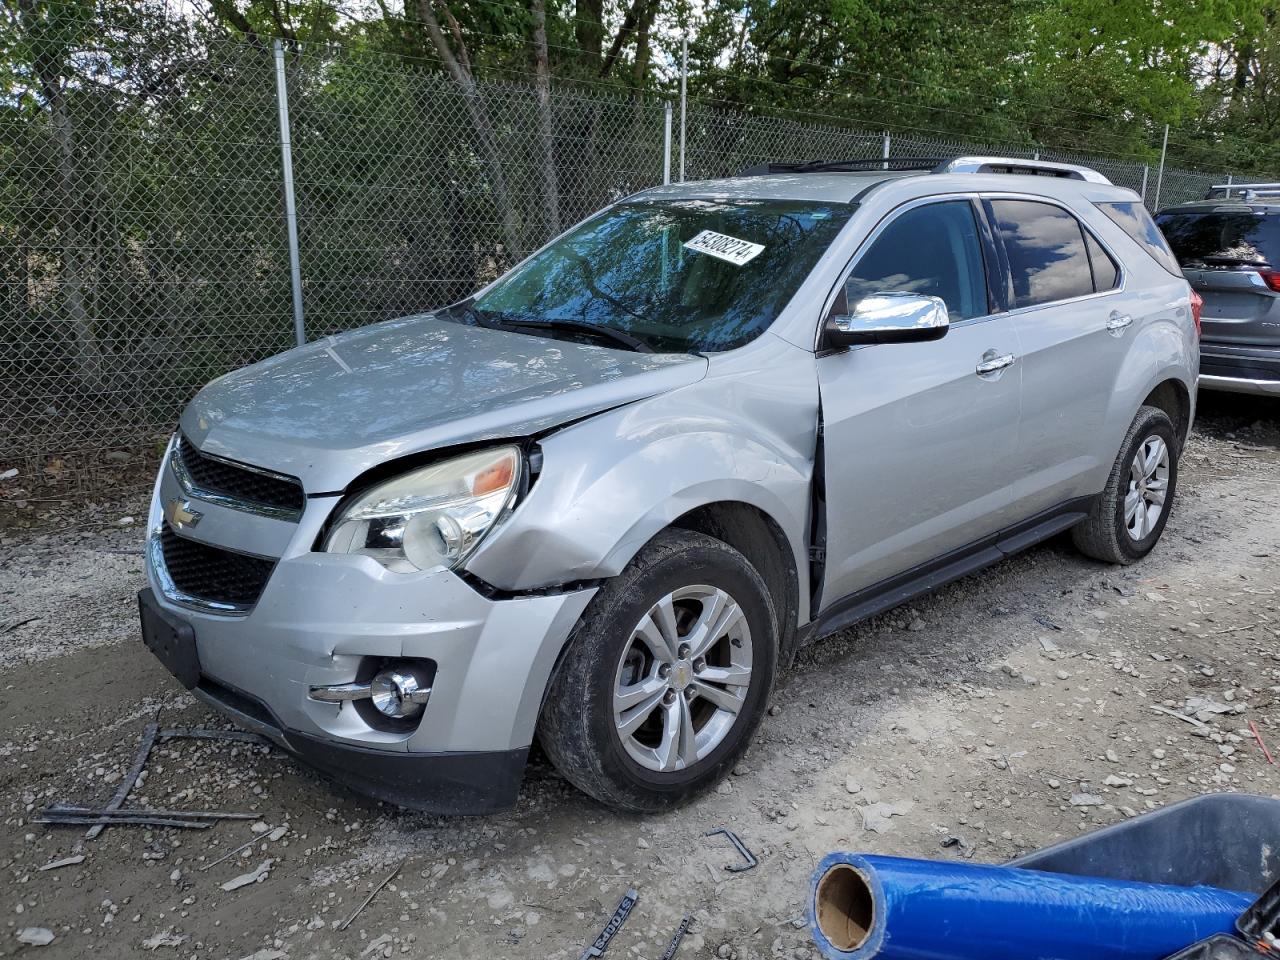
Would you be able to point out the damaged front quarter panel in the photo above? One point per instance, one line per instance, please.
(744, 433)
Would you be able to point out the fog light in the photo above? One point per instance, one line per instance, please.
(398, 692)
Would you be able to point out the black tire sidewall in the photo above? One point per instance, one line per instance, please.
(700, 561)
(1155, 423)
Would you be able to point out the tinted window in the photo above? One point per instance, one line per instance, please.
(1106, 275)
(1046, 251)
(932, 250)
(1133, 219)
(1214, 239)
(633, 269)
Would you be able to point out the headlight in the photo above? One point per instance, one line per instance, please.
(433, 517)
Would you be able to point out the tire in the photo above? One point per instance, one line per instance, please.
(620, 647)
(1112, 531)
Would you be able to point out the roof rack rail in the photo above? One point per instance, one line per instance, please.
(1017, 165)
(844, 166)
(1248, 191)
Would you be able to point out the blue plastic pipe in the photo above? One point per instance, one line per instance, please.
(893, 908)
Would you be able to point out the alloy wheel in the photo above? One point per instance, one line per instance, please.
(1148, 484)
(683, 678)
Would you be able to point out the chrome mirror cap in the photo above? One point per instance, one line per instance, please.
(890, 318)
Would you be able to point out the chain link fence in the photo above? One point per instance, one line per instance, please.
(143, 239)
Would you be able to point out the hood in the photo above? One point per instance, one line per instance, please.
(330, 410)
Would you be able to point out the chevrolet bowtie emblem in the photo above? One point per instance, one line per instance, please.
(179, 514)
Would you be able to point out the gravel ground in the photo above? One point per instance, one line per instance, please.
(1011, 710)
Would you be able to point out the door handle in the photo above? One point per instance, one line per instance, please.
(1117, 322)
(993, 364)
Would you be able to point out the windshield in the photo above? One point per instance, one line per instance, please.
(1223, 239)
(685, 275)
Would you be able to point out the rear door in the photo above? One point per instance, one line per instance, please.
(1231, 255)
(1074, 321)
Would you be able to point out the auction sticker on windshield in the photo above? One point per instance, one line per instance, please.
(725, 247)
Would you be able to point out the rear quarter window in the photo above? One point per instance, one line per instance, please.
(1132, 217)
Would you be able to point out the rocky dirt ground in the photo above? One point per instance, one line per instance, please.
(1017, 708)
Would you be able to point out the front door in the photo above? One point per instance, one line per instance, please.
(919, 439)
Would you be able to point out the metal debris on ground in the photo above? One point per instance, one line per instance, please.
(113, 813)
(1046, 622)
(64, 814)
(601, 943)
(674, 945)
(210, 733)
(126, 785)
(127, 812)
(372, 893)
(741, 847)
(136, 820)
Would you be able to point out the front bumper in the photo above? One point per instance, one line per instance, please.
(321, 615)
(453, 783)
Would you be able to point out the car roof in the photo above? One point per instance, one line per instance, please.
(848, 186)
(818, 187)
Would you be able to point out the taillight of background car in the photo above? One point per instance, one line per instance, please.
(1197, 306)
(1270, 278)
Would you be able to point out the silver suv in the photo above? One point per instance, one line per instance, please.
(603, 501)
(1229, 248)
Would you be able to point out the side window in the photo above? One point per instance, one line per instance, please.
(1106, 275)
(932, 250)
(1046, 251)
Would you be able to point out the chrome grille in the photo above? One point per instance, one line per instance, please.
(237, 485)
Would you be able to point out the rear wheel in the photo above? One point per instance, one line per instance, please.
(666, 677)
(1131, 512)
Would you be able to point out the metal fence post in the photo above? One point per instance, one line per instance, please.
(290, 210)
(1146, 168)
(666, 143)
(684, 86)
(1164, 149)
(885, 151)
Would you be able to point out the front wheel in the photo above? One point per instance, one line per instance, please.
(665, 678)
(1131, 512)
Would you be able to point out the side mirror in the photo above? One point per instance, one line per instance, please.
(889, 318)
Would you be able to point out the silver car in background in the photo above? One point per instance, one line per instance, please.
(604, 501)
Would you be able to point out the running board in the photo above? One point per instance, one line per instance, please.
(928, 577)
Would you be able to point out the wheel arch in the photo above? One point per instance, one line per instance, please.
(1173, 397)
(759, 538)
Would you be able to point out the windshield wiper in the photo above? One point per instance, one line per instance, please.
(579, 326)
